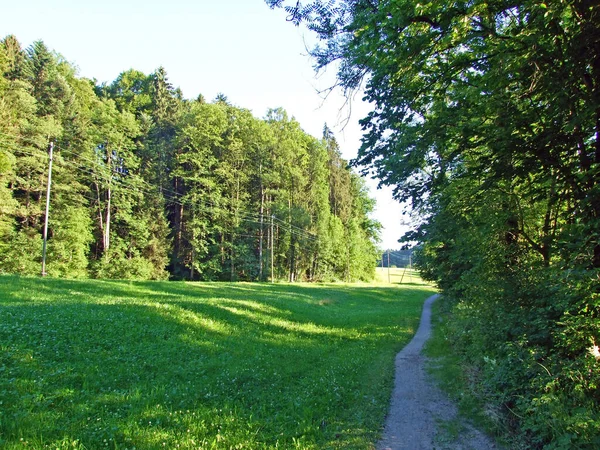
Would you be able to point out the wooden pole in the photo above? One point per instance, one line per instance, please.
(272, 240)
(389, 278)
(47, 209)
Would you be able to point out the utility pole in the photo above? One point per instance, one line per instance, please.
(389, 278)
(262, 233)
(47, 208)
(106, 237)
(272, 277)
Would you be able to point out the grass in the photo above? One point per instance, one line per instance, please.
(399, 276)
(456, 376)
(148, 365)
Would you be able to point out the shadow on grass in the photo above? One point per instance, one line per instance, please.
(118, 364)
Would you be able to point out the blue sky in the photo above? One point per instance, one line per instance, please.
(237, 47)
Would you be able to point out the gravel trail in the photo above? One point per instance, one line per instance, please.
(421, 416)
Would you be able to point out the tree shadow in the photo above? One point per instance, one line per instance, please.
(142, 363)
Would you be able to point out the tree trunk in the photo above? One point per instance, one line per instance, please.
(107, 222)
(292, 259)
(178, 221)
(192, 257)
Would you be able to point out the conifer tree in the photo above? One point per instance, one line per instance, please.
(149, 185)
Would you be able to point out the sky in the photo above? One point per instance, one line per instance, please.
(240, 48)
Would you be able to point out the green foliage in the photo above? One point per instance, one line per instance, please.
(7, 203)
(70, 243)
(149, 185)
(486, 118)
(460, 376)
(94, 364)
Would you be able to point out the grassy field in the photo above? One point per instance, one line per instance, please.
(399, 276)
(149, 365)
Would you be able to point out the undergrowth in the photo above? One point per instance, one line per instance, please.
(506, 391)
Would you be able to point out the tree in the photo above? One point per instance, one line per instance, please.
(14, 58)
(148, 185)
(263, 140)
(7, 160)
(132, 92)
(486, 117)
(28, 125)
(340, 196)
(200, 213)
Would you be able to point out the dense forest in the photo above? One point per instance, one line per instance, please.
(148, 185)
(486, 118)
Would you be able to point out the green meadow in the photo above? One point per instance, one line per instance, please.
(107, 364)
(398, 275)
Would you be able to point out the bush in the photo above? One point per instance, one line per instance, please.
(534, 342)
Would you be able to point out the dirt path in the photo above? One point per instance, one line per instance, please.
(421, 416)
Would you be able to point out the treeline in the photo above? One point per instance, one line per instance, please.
(149, 185)
(486, 116)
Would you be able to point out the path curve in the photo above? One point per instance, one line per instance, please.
(419, 408)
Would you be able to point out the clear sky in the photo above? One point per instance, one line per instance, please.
(239, 48)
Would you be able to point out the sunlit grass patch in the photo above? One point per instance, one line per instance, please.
(106, 364)
(398, 275)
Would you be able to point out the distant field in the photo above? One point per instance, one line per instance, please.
(149, 365)
(398, 276)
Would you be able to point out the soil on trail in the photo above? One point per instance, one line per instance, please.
(421, 416)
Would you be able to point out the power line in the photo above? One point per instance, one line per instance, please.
(175, 198)
(206, 206)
